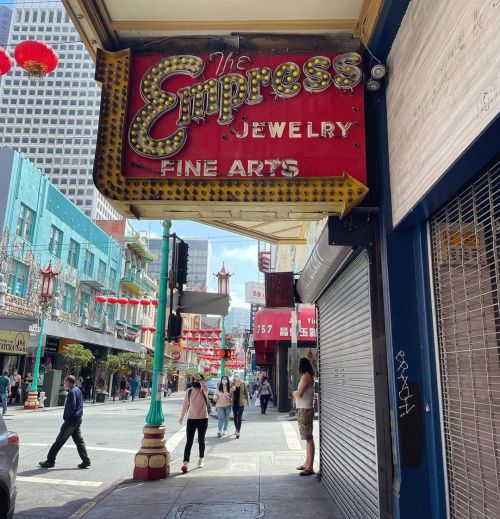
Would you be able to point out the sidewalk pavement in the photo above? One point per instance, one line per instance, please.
(240, 480)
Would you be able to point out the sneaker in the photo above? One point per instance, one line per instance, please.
(185, 467)
(84, 465)
(224, 433)
(219, 434)
(46, 464)
(201, 463)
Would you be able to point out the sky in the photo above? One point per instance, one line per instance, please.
(239, 253)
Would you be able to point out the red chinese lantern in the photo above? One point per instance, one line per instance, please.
(152, 329)
(101, 299)
(145, 302)
(122, 300)
(217, 330)
(5, 62)
(183, 337)
(144, 328)
(154, 302)
(228, 338)
(36, 57)
(112, 300)
(133, 301)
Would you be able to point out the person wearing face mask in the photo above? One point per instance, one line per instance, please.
(223, 403)
(196, 406)
(239, 393)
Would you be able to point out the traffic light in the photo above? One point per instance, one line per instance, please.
(264, 260)
(174, 329)
(181, 266)
(226, 354)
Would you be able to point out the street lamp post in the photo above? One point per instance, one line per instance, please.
(153, 460)
(48, 275)
(223, 288)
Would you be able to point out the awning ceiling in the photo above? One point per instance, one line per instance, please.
(274, 325)
(118, 24)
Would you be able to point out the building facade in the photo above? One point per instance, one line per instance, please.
(200, 255)
(38, 118)
(5, 17)
(40, 225)
(135, 283)
(237, 320)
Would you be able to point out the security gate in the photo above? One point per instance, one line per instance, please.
(348, 428)
(466, 269)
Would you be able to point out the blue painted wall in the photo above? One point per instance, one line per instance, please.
(22, 184)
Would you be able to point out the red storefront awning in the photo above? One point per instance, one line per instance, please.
(263, 358)
(273, 325)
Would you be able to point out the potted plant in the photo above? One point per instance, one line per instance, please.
(61, 400)
(75, 357)
(100, 395)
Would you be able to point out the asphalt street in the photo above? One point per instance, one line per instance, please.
(113, 433)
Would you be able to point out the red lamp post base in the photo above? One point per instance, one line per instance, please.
(153, 460)
(32, 401)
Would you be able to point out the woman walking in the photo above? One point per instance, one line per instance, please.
(196, 406)
(264, 393)
(223, 405)
(239, 393)
(305, 413)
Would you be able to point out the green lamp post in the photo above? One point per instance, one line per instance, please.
(153, 460)
(48, 275)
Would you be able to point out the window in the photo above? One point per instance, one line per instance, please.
(69, 298)
(88, 265)
(25, 223)
(84, 300)
(18, 279)
(101, 273)
(73, 253)
(112, 277)
(55, 243)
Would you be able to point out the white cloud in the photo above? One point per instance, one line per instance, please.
(247, 254)
(238, 301)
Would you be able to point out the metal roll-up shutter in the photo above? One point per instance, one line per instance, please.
(466, 276)
(348, 437)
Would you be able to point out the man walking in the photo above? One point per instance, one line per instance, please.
(4, 390)
(73, 414)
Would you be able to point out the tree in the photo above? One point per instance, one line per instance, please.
(76, 357)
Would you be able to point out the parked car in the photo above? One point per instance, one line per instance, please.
(9, 459)
(212, 389)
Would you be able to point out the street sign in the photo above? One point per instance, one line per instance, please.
(34, 328)
(255, 293)
(203, 303)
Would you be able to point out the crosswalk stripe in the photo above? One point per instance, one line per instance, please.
(50, 481)
(89, 448)
(291, 437)
(174, 441)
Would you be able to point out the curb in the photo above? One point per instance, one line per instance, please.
(87, 507)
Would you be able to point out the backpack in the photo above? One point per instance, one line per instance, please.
(209, 406)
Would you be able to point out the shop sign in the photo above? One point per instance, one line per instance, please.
(173, 121)
(275, 325)
(13, 342)
(51, 345)
(255, 293)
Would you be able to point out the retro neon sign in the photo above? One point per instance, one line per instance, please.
(223, 95)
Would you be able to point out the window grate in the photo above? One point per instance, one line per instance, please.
(465, 237)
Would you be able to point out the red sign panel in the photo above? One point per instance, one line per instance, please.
(275, 325)
(253, 116)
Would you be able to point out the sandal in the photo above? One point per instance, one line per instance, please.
(307, 472)
(302, 467)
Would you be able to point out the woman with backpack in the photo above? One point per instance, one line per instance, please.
(197, 407)
(223, 403)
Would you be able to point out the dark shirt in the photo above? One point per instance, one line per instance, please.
(236, 397)
(73, 410)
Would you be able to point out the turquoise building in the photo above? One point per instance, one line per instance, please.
(39, 224)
